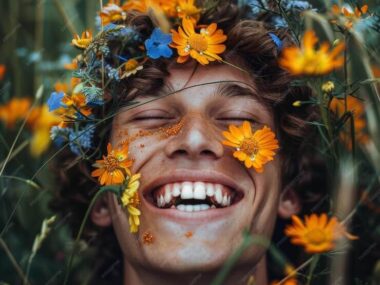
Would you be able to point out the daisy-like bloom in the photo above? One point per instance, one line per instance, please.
(357, 107)
(113, 168)
(310, 61)
(111, 13)
(187, 9)
(350, 16)
(130, 200)
(328, 86)
(84, 41)
(78, 102)
(203, 46)
(131, 67)
(317, 234)
(254, 149)
(14, 111)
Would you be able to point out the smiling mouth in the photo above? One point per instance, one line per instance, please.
(194, 196)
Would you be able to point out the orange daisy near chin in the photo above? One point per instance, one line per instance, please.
(204, 46)
(253, 148)
(307, 60)
(113, 168)
(317, 234)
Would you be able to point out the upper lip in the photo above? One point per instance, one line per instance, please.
(181, 175)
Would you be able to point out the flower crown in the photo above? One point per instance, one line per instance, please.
(120, 51)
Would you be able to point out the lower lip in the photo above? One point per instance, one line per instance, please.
(196, 217)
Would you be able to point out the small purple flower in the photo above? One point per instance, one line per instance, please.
(54, 101)
(158, 44)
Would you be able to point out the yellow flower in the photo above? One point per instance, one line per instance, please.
(40, 121)
(355, 106)
(255, 149)
(317, 234)
(297, 103)
(111, 13)
(310, 61)
(84, 41)
(114, 167)
(187, 9)
(166, 6)
(350, 16)
(204, 46)
(14, 110)
(131, 67)
(130, 199)
(328, 87)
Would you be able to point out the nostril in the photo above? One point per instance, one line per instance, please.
(207, 152)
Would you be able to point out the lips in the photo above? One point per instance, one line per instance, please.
(193, 191)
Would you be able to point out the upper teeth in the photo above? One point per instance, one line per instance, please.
(193, 190)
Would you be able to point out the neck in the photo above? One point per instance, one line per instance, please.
(134, 275)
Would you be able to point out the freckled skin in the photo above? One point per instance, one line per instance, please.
(174, 258)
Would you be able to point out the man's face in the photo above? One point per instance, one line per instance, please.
(193, 228)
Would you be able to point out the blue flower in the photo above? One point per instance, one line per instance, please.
(54, 101)
(82, 139)
(296, 5)
(278, 22)
(277, 41)
(158, 44)
(59, 135)
(257, 6)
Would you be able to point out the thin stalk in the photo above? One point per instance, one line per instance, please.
(15, 152)
(313, 265)
(13, 261)
(94, 199)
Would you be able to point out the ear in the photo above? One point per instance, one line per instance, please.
(290, 203)
(100, 214)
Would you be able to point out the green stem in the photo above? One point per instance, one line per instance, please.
(88, 211)
(312, 267)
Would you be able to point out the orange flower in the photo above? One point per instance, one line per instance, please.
(350, 16)
(166, 6)
(84, 41)
(71, 66)
(111, 13)
(317, 234)
(113, 168)
(14, 110)
(310, 61)
(204, 46)
(255, 149)
(355, 106)
(2, 71)
(187, 9)
(77, 102)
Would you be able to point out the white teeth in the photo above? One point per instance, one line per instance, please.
(193, 208)
(210, 189)
(168, 194)
(160, 201)
(187, 190)
(224, 201)
(176, 189)
(199, 190)
(218, 195)
(204, 207)
(229, 201)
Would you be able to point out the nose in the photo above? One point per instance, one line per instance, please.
(198, 139)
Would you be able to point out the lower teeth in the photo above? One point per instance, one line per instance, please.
(193, 208)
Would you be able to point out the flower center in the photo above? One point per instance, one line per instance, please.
(250, 146)
(111, 163)
(198, 42)
(131, 64)
(316, 236)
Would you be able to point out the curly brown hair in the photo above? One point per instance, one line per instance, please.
(249, 43)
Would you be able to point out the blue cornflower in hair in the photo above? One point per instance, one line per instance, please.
(158, 44)
(54, 101)
(59, 135)
(82, 139)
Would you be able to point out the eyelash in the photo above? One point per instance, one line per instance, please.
(253, 121)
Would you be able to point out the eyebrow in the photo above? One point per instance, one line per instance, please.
(233, 90)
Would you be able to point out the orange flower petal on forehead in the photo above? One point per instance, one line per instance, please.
(114, 167)
(254, 149)
(204, 46)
